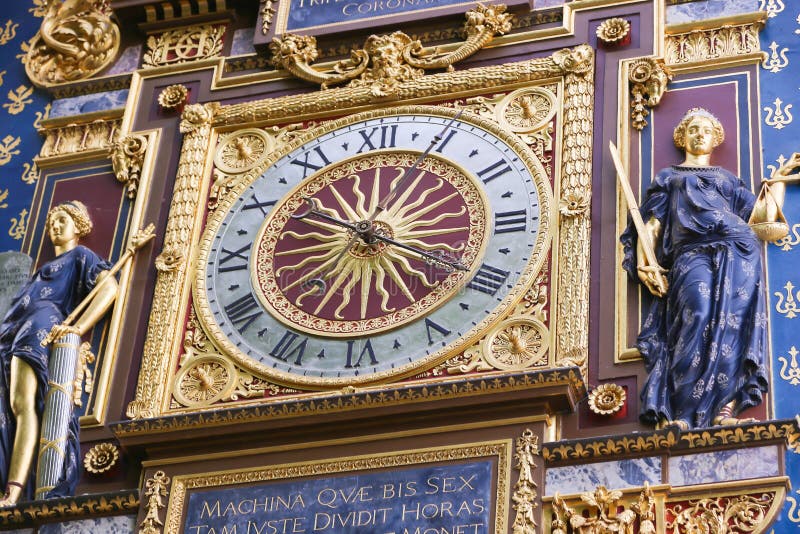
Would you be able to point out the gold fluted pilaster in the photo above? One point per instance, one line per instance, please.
(572, 309)
(172, 283)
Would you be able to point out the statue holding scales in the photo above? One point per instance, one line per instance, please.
(695, 248)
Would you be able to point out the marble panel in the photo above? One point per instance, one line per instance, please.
(544, 4)
(243, 42)
(128, 61)
(77, 105)
(613, 475)
(722, 466)
(708, 9)
(121, 524)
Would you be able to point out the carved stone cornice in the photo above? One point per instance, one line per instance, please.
(386, 61)
(73, 139)
(568, 382)
(730, 40)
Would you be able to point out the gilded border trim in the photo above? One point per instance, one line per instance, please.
(181, 484)
(84, 506)
(671, 440)
(360, 399)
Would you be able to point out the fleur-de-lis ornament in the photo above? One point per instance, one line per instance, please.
(777, 60)
(8, 32)
(790, 240)
(3, 197)
(18, 225)
(779, 117)
(772, 7)
(787, 306)
(30, 173)
(7, 148)
(792, 374)
(18, 99)
(42, 115)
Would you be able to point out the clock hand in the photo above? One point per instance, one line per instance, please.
(365, 230)
(386, 200)
(440, 259)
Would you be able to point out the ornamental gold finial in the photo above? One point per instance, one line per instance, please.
(76, 40)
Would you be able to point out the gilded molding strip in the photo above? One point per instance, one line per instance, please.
(672, 439)
(498, 449)
(572, 301)
(173, 260)
(83, 506)
(440, 84)
(338, 402)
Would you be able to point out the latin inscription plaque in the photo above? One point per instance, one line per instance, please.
(350, 496)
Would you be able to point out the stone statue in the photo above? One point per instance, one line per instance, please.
(37, 314)
(704, 340)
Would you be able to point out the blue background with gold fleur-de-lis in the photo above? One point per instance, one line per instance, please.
(780, 128)
(22, 107)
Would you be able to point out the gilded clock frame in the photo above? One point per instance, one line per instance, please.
(571, 69)
(501, 310)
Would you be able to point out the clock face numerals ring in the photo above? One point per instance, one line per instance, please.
(318, 273)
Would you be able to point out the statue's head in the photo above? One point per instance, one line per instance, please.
(73, 209)
(694, 115)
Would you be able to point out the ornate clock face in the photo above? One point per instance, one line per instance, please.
(349, 260)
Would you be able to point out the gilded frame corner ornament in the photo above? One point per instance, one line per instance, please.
(202, 123)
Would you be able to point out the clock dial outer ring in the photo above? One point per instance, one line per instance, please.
(265, 283)
(537, 258)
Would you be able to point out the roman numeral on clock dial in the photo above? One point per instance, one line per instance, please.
(242, 312)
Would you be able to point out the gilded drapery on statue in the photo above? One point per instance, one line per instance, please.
(704, 339)
(51, 294)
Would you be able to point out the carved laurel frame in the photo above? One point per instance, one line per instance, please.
(202, 124)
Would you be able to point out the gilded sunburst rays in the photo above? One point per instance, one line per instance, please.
(426, 215)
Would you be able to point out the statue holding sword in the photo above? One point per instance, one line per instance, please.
(692, 244)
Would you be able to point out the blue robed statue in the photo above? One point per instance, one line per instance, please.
(77, 285)
(704, 339)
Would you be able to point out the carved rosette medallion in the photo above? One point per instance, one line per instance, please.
(607, 399)
(101, 458)
(527, 110)
(613, 30)
(244, 150)
(204, 380)
(173, 96)
(75, 41)
(518, 343)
